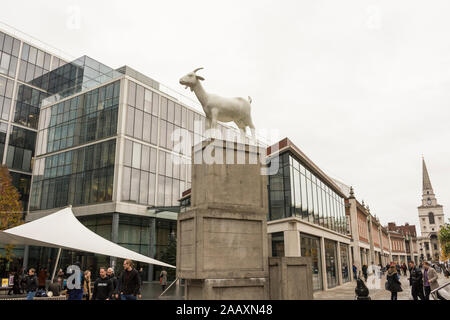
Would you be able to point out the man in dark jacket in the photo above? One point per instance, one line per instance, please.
(31, 283)
(416, 281)
(129, 282)
(103, 287)
(115, 282)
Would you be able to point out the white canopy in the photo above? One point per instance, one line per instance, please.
(63, 230)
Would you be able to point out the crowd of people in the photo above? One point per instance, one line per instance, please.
(126, 286)
(423, 279)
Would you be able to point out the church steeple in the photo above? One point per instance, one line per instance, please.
(426, 179)
(428, 197)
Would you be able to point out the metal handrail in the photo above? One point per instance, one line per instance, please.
(435, 291)
(177, 279)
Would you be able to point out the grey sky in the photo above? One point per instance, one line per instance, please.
(362, 87)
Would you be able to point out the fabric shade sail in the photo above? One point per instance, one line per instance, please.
(63, 230)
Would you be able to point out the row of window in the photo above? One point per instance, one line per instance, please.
(77, 177)
(6, 96)
(82, 119)
(9, 52)
(27, 106)
(92, 157)
(295, 191)
(20, 149)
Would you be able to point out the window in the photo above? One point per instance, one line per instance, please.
(278, 244)
(431, 217)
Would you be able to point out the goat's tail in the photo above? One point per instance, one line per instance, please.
(250, 99)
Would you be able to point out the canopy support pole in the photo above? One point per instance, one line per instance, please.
(56, 264)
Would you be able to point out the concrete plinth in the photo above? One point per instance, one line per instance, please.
(222, 240)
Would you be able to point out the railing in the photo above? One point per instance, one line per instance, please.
(436, 295)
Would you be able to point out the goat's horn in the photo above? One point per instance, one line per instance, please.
(198, 69)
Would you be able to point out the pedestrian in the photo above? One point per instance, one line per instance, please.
(103, 286)
(55, 287)
(404, 268)
(31, 283)
(16, 284)
(430, 278)
(364, 271)
(87, 289)
(42, 277)
(416, 282)
(163, 279)
(114, 280)
(393, 283)
(129, 287)
(355, 270)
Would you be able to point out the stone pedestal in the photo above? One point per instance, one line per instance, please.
(222, 240)
(291, 278)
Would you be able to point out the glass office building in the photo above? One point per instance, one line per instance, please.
(104, 144)
(20, 98)
(303, 198)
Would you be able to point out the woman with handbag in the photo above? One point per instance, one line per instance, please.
(163, 279)
(393, 282)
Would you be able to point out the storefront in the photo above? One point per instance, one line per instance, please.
(345, 263)
(310, 247)
(331, 263)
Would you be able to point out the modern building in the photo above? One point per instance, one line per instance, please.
(431, 217)
(21, 61)
(100, 139)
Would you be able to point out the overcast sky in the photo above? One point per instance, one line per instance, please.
(362, 87)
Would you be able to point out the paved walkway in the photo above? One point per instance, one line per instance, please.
(376, 290)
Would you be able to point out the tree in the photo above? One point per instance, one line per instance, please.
(170, 256)
(444, 239)
(11, 212)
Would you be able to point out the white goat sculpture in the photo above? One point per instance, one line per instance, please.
(218, 108)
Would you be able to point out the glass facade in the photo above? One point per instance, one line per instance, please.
(20, 149)
(296, 191)
(345, 263)
(84, 118)
(6, 97)
(81, 176)
(9, 54)
(331, 263)
(28, 106)
(310, 247)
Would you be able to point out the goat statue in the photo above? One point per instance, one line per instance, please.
(218, 108)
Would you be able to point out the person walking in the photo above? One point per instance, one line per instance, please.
(129, 287)
(404, 268)
(416, 282)
(115, 282)
(42, 277)
(355, 271)
(430, 278)
(163, 279)
(87, 288)
(393, 283)
(364, 271)
(103, 287)
(31, 283)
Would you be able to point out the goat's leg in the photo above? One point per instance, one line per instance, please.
(241, 125)
(213, 122)
(252, 129)
(208, 128)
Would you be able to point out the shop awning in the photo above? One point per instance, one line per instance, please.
(63, 230)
